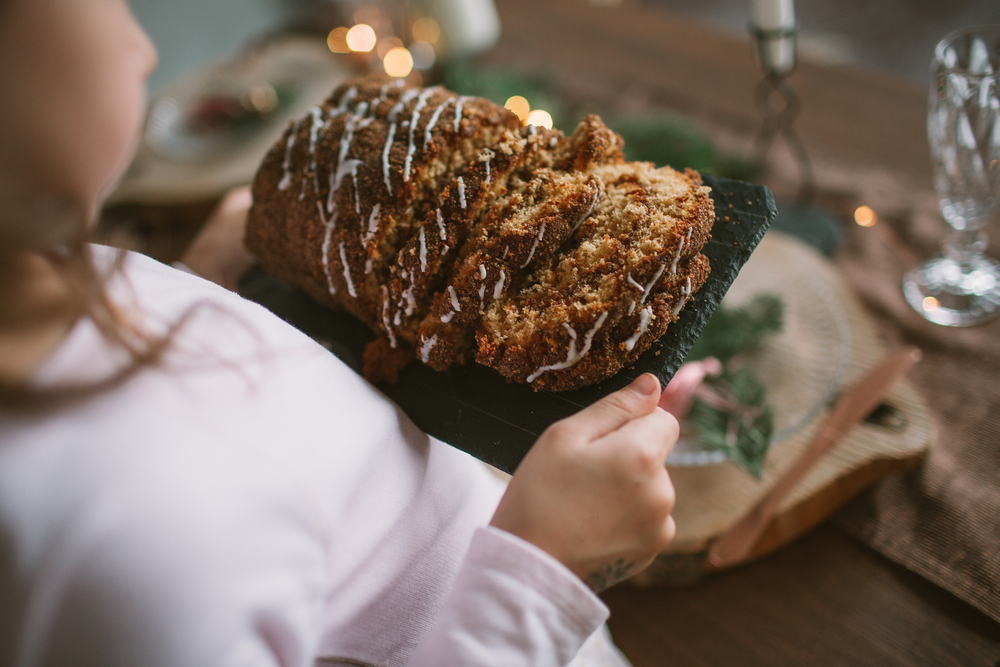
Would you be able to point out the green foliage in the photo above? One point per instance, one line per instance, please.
(735, 330)
(738, 421)
(661, 138)
(670, 139)
(744, 431)
(498, 85)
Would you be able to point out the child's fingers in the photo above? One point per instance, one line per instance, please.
(650, 437)
(615, 410)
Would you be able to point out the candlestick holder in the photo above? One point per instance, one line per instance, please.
(779, 105)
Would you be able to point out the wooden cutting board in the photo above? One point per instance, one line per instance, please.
(711, 498)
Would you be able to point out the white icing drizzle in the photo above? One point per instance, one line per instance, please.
(440, 221)
(649, 286)
(315, 126)
(434, 119)
(357, 194)
(286, 179)
(372, 224)
(686, 294)
(593, 204)
(533, 131)
(347, 271)
(412, 147)
(498, 288)
(631, 308)
(458, 112)
(482, 294)
(383, 92)
(423, 251)
(385, 157)
(403, 99)
(461, 191)
(345, 166)
(645, 315)
(411, 302)
(534, 246)
(327, 235)
(368, 266)
(673, 264)
(348, 97)
(398, 319)
(317, 116)
(553, 141)
(482, 272)
(454, 299)
(425, 349)
(447, 318)
(633, 283)
(385, 316)
(572, 356)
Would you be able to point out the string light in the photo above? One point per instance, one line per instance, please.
(865, 216)
(539, 118)
(361, 38)
(387, 44)
(931, 304)
(518, 106)
(398, 62)
(426, 30)
(423, 55)
(337, 40)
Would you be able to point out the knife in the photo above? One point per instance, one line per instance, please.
(853, 406)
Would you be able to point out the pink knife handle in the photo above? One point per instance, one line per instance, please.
(736, 543)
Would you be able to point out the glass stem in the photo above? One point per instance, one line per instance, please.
(962, 246)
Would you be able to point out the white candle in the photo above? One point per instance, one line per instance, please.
(468, 27)
(773, 14)
(776, 15)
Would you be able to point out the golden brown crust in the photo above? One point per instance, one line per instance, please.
(455, 234)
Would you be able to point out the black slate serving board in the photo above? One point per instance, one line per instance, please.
(474, 408)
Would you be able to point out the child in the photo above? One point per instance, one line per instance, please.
(186, 480)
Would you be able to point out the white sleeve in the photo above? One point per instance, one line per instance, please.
(512, 605)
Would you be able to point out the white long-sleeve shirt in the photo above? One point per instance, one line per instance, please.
(252, 501)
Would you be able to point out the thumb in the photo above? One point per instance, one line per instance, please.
(614, 410)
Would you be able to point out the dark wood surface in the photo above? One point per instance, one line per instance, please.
(826, 599)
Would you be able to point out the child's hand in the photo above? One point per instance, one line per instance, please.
(594, 492)
(217, 252)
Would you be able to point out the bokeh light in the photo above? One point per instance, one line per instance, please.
(387, 44)
(423, 55)
(398, 62)
(426, 30)
(361, 38)
(337, 40)
(931, 304)
(518, 106)
(865, 216)
(539, 118)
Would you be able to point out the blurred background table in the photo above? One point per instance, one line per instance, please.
(828, 599)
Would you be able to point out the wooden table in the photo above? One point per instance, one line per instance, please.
(827, 599)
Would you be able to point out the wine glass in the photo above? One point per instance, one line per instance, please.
(961, 286)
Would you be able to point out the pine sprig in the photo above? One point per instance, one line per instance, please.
(732, 414)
